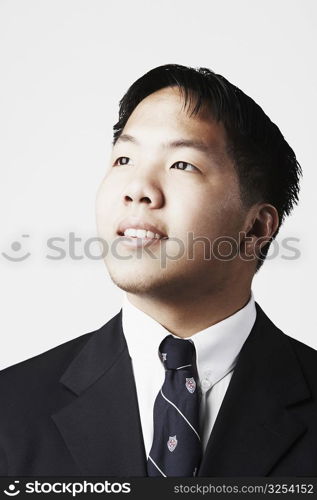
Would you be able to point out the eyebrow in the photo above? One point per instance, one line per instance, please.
(180, 143)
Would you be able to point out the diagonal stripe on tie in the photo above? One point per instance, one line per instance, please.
(190, 425)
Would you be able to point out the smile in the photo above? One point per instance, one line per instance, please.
(141, 233)
(136, 238)
(136, 233)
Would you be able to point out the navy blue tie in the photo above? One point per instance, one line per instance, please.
(176, 448)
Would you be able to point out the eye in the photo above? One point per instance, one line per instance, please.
(184, 165)
(122, 160)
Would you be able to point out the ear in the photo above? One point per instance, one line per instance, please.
(261, 225)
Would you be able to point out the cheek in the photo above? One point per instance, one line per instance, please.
(108, 191)
(106, 199)
(206, 212)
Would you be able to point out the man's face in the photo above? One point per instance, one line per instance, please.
(169, 173)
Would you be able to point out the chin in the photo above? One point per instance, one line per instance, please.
(133, 282)
(142, 282)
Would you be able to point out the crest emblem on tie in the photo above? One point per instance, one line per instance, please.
(190, 384)
(172, 443)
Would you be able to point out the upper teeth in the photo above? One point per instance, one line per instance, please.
(140, 233)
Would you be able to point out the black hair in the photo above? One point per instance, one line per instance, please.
(266, 165)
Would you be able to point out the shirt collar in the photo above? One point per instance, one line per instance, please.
(217, 346)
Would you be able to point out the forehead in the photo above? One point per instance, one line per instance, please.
(165, 113)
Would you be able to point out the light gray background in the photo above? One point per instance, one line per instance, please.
(64, 66)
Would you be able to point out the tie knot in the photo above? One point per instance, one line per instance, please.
(176, 353)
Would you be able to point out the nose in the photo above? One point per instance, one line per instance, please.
(142, 190)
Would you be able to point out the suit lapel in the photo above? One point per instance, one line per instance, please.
(255, 425)
(101, 427)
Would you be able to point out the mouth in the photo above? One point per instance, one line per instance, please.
(133, 232)
(135, 242)
(136, 233)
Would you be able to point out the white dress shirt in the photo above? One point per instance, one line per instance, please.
(217, 348)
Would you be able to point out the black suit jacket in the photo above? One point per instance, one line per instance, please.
(73, 410)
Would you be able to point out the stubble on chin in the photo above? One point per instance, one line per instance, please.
(159, 283)
(136, 283)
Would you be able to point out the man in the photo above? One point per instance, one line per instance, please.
(190, 377)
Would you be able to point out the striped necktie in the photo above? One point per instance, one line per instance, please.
(176, 448)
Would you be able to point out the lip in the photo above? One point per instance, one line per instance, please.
(137, 223)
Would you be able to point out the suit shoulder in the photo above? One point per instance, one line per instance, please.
(307, 359)
(307, 354)
(29, 390)
(53, 361)
(302, 350)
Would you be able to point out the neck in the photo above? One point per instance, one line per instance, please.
(188, 315)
